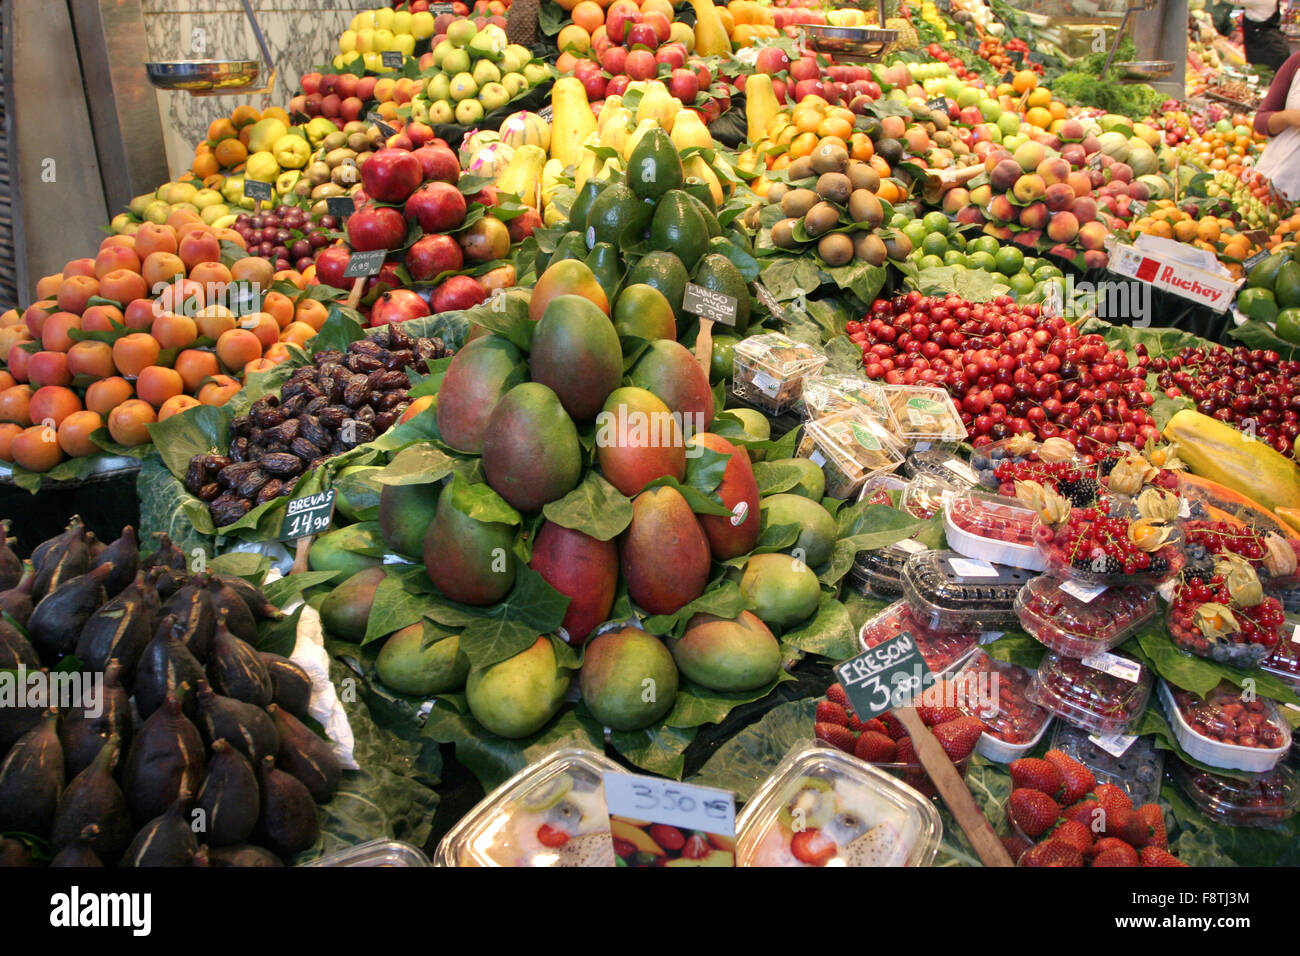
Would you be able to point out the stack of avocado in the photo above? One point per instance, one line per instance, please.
(1272, 294)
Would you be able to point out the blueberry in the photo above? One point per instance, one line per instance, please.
(997, 454)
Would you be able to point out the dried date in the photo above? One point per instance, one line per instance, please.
(282, 464)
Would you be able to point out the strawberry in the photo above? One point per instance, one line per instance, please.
(836, 736)
(1117, 857)
(1076, 778)
(829, 712)
(835, 694)
(1155, 856)
(696, 847)
(1015, 846)
(875, 748)
(905, 752)
(548, 835)
(1033, 811)
(1108, 843)
(1052, 853)
(873, 725)
(1073, 833)
(1085, 812)
(811, 847)
(931, 707)
(1129, 827)
(1154, 817)
(1036, 775)
(892, 726)
(670, 838)
(958, 737)
(1112, 798)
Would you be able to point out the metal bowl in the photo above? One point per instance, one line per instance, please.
(1146, 69)
(848, 43)
(203, 75)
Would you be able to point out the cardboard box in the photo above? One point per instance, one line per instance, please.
(1175, 267)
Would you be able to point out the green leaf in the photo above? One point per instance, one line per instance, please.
(595, 508)
(287, 589)
(202, 430)
(725, 600)
(166, 507)
(1018, 648)
(659, 749)
(338, 331)
(1182, 670)
(775, 477)
(1257, 334)
(789, 278)
(487, 642)
(705, 468)
(281, 635)
(418, 464)
(1153, 723)
(481, 503)
(696, 705)
(747, 759)
(829, 633)
(393, 609)
(861, 278)
(242, 564)
(701, 503)
(507, 315)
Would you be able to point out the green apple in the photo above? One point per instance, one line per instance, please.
(180, 193)
(514, 84)
(1009, 123)
(967, 96)
(519, 52)
(485, 72)
(468, 112)
(138, 204)
(493, 96)
(441, 112)
(384, 40)
(989, 109)
(419, 110)
(463, 87)
(157, 212)
(457, 61)
(461, 32)
(366, 41)
(401, 22)
(1013, 141)
(206, 197)
(439, 87)
(211, 214)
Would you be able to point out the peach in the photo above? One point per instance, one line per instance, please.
(174, 331)
(79, 267)
(196, 247)
(74, 433)
(139, 314)
(47, 287)
(1092, 235)
(1029, 155)
(263, 325)
(1059, 196)
(106, 394)
(213, 320)
(195, 366)
(34, 316)
(1029, 187)
(91, 358)
(101, 318)
(1000, 208)
(1053, 169)
(1034, 216)
(129, 422)
(1004, 175)
(1084, 209)
(8, 432)
(49, 368)
(133, 353)
(161, 267)
(18, 360)
(15, 405)
(36, 448)
(52, 404)
(75, 292)
(156, 384)
(253, 269)
(175, 405)
(152, 238)
(218, 391)
(112, 258)
(123, 285)
(1063, 227)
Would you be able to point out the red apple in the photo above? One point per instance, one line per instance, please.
(311, 104)
(433, 255)
(801, 89)
(671, 54)
(346, 85)
(437, 207)
(436, 163)
(397, 305)
(458, 292)
(703, 75)
(684, 85)
(642, 34)
(617, 85)
(660, 24)
(376, 227)
(327, 83)
(804, 68)
(614, 59)
(351, 109)
(366, 87)
(522, 226)
(771, 60)
(781, 91)
(621, 15)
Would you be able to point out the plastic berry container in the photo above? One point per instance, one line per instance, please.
(1223, 730)
(825, 807)
(1284, 662)
(1072, 553)
(925, 416)
(877, 489)
(564, 791)
(1137, 770)
(849, 446)
(1102, 701)
(824, 394)
(992, 528)
(996, 693)
(942, 465)
(769, 370)
(1247, 647)
(947, 591)
(1261, 800)
(918, 778)
(393, 853)
(924, 496)
(879, 573)
(943, 650)
(1075, 620)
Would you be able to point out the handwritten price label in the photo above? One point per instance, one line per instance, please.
(669, 802)
(709, 304)
(365, 263)
(887, 676)
(256, 189)
(309, 514)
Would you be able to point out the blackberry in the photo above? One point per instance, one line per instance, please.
(1107, 465)
(1111, 564)
(1159, 565)
(1080, 492)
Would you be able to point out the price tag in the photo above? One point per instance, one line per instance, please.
(1184, 508)
(1087, 593)
(1114, 665)
(391, 59)
(911, 546)
(1035, 57)
(1113, 744)
(365, 263)
(962, 470)
(378, 122)
(1137, 208)
(546, 112)
(1295, 635)
(437, 9)
(766, 384)
(818, 459)
(309, 514)
(256, 189)
(708, 304)
(938, 103)
(887, 676)
(1008, 77)
(768, 301)
(340, 206)
(704, 818)
(970, 568)
(1094, 161)
(1255, 260)
(1018, 56)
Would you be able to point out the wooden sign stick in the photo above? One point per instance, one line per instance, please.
(704, 344)
(358, 287)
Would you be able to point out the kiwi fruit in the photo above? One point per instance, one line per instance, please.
(829, 158)
(940, 120)
(776, 192)
(865, 207)
(821, 219)
(783, 234)
(942, 139)
(834, 187)
(862, 176)
(890, 150)
(836, 249)
(869, 247)
(899, 247)
(797, 202)
(801, 168)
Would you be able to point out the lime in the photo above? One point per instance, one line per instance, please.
(1021, 283)
(1288, 325)
(930, 262)
(937, 222)
(898, 220)
(954, 258)
(1009, 260)
(916, 232)
(957, 241)
(982, 260)
(1047, 271)
(984, 244)
(934, 244)
(1032, 263)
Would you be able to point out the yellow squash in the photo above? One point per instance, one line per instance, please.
(760, 105)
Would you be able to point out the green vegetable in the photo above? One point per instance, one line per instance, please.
(1134, 100)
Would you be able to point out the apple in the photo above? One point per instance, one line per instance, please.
(437, 207)
(781, 90)
(803, 88)
(487, 196)
(614, 59)
(642, 34)
(397, 305)
(621, 15)
(771, 60)
(399, 141)
(346, 85)
(640, 66)
(311, 82)
(617, 85)
(804, 68)
(327, 83)
(351, 109)
(659, 23)
(433, 255)
(376, 227)
(366, 87)
(331, 262)
(458, 292)
(684, 85)
(436, 163)
(311, 104)
(673, 54)
(703, 74)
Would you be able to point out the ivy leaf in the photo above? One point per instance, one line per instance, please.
(696, 705)
(595, 508)
(481, 503)
(829, 633)
(658, 749)
(725, 600)
(419, 464)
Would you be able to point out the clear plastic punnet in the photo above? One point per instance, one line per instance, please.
(925, 416)
(826, 393)
(1262, 800)
(996, 693)
(948, 591)
(769, 370)
(879, 573)
(992, 528)
(1134, 764)
(375, 853)
(850, 447)
(1224, 729)
(1106, 693)
(942, 650)
(1077, 620)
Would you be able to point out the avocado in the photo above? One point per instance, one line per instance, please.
(719, 274)
(617, 216)
(679, 227)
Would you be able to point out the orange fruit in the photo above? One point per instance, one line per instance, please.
(74, 433)
(105, 395)
(129, 422)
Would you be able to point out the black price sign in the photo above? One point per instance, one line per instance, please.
(256, 189)
(1255, 260)
(309, 514)
(340, 206)
(365, 263)
(1018, 56)
(1008, 77)
(378, 122)
(546, 112)
(392, 59)
(709, 304)
(438, 9)
(938, 103)
(889, 675)
(768, 301)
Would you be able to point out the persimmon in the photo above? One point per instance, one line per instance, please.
(106, 394)
(74, 433)
(129, 422)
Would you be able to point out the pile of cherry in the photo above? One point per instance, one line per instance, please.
(1010, 369)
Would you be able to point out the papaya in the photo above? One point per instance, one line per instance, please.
(1221, 453)
(572, 120)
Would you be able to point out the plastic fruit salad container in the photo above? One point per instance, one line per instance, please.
(375, 853)
(942, 650)
(996, 693)
(1077, 620)
(942, 464)
(992, 528)
(949, 592)
(1136, 769)
(1260, 800)
(925, 416)
(769, 370)
(823, 807)
(1224, 730)
(551, 813)
(923, 497)
(1102, 701)
(849, 447)
(824, 394)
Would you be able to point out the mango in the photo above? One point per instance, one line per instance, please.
(576, 353)
(582, 568)
(812, 483)
(757, 428)
(727, 654)
(628, 679)
(405, 665)
(737, 534)
(516, 697)
(669, 370)
(338, 550)
(638, 440)
(344, 610)
(664, 552)
(405, 511)
(780, 589)
(477, 377)
(531, 453)
(469, 561)
(817, 528)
